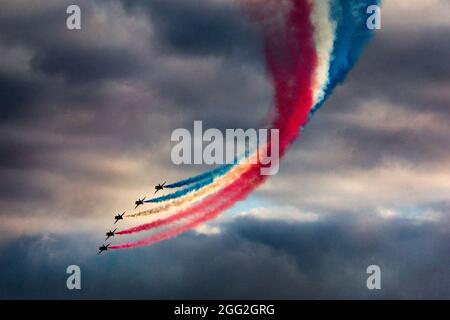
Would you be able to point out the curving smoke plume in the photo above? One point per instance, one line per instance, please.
(309, 47)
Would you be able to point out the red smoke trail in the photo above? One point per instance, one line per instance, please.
(292, 75)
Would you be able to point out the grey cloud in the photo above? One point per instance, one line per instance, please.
(373, 147)
(79, 56)
(96, 94)
(79, 65)
(202, 28)
(316, 260)
(400, 68)
(16, 94)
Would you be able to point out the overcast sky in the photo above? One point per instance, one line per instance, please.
(85, 124)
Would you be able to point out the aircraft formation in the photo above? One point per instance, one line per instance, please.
(119, 216)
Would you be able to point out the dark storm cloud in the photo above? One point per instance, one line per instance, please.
(227, 42)
(60, 52)
(202, 27)
(81, 65)
(218, 38)
(317, 260)
(16, 94)
(94, 53)
(399, 68)
(15, 188)
(420, 57)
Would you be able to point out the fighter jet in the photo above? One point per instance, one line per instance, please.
(159, 187)
(139, 202)
(103, 248)
(110, 234)
(119, 217)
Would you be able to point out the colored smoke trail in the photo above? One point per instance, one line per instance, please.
(294, 103)
(324, 40)
(208, 212)
(207, 175)
(199, 194)
(203, 180)
(296, 61)
(208, 179)
(183, 192)
(337, 54)
(200, 190)
(207, 204)
(293, 100)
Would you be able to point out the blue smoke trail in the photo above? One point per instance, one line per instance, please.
(213, 173)
(351, 37)
(206, 181)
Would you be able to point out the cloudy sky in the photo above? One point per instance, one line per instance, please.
(85, 122)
